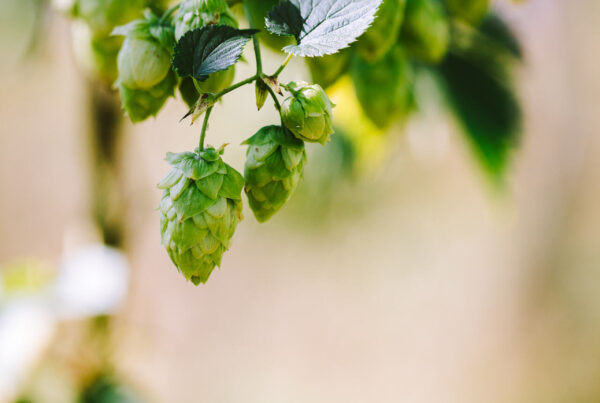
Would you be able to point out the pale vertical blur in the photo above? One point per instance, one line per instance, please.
(427, 286)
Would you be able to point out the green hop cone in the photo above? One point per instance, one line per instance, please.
(139, 105)
(425, 33)
(96, 55)
(143, 62)
(307, 112)
(103, 15)
(274, 165)
(200, 210)
(384, 88)
(145, 80)
(193, 14)
(471, 11)
(382, 35)
(145, 57)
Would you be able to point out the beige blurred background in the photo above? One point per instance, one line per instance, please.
(422, 283)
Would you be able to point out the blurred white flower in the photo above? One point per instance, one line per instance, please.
(93, 280)
(26, 329)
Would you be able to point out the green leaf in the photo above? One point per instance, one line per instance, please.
(482, 95)
(207, 50)
(328, 25)
(285, 19)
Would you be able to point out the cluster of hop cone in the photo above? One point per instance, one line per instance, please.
(202, 201)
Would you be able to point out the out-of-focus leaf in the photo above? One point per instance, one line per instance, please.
(471, 11)
(326, 70)
(384, 88)
(481, 93)
(495, 28)
(104, 389)
(382, 35)
(426, 31)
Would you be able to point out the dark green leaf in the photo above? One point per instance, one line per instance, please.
(494, 28)
(330, 25)
(207, 50)
(485, 105)
(285, 19)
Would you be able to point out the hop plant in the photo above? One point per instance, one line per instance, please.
(195, 45)
(145, 78)
(200, 210)
(307, 112)
(274, 165)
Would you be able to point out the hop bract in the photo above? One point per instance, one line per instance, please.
(200, 210)
(307, 113)
(274, 164)
(194, 14)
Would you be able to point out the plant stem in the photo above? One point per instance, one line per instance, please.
(275, 100)
(285, 63)
(204, 127)
(236, 86)
(259, 70)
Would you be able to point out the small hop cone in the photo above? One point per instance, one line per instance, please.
(200, 210)
(307, 112)
(193, 14)
(145, 80)
(274, 164)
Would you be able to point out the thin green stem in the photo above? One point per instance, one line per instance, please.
(204, 127)
(168, 13)
(285, 63)
(274, 96)
(259, 70)
(236, 86)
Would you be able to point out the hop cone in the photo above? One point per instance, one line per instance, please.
(274, 164)
(194, 14)
(200, 210)
(307, 112)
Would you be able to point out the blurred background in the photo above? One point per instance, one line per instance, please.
(408, 277)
